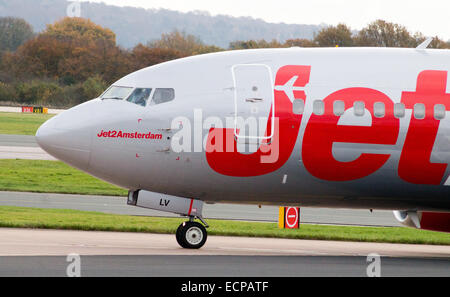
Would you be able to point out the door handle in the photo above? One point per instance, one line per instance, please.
(254, 100)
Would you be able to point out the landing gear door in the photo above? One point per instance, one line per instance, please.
(254, 98)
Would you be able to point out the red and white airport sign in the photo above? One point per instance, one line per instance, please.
(289, 217)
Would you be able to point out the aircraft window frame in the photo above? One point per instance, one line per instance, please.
(399, 110)
(338, 108)
(439, 111)
(318, 107)
(419, 111)
(359, 108)
(298, 106)
(379, 110)
(145, 100)
(131, 90)
(166, 100)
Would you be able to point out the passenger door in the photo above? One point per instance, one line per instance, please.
(254, 102)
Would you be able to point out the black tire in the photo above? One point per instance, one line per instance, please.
(192, 235)
(178, 235)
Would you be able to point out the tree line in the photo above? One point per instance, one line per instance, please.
(74, 59)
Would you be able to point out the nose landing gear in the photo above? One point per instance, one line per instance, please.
(192, 235)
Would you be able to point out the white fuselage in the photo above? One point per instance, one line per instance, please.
(336, 127)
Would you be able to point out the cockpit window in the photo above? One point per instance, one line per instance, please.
(163, 96)
(140, 96)
(118, 93)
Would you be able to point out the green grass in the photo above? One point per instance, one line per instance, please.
(56, 177)
(18, 217)
(51, 177)
(21, 123)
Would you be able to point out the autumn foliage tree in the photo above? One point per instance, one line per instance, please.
(300, 42)
(185, 44)
(384, 34)
(339, 35)
(143, 56)
(74, 59)
(70, 51)
(80, 29)
(252, 44)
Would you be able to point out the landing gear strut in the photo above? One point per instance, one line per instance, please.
(192, 235)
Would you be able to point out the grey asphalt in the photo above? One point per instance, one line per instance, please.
(24, 153)
(221, 266)
(117, 205)
(18, 140)
(38, 252)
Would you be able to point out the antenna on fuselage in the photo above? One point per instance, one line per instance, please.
(425, 44)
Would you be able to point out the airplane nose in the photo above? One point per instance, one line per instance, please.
(66, 139)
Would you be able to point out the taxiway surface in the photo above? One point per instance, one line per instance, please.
(44, 253)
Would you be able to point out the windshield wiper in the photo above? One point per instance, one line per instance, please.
(116, 98)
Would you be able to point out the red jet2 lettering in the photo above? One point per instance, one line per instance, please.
(135, 135)
(323, 130)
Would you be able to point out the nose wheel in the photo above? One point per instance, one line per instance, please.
(191, 235)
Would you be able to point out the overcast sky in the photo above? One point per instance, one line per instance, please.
(431, 17)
